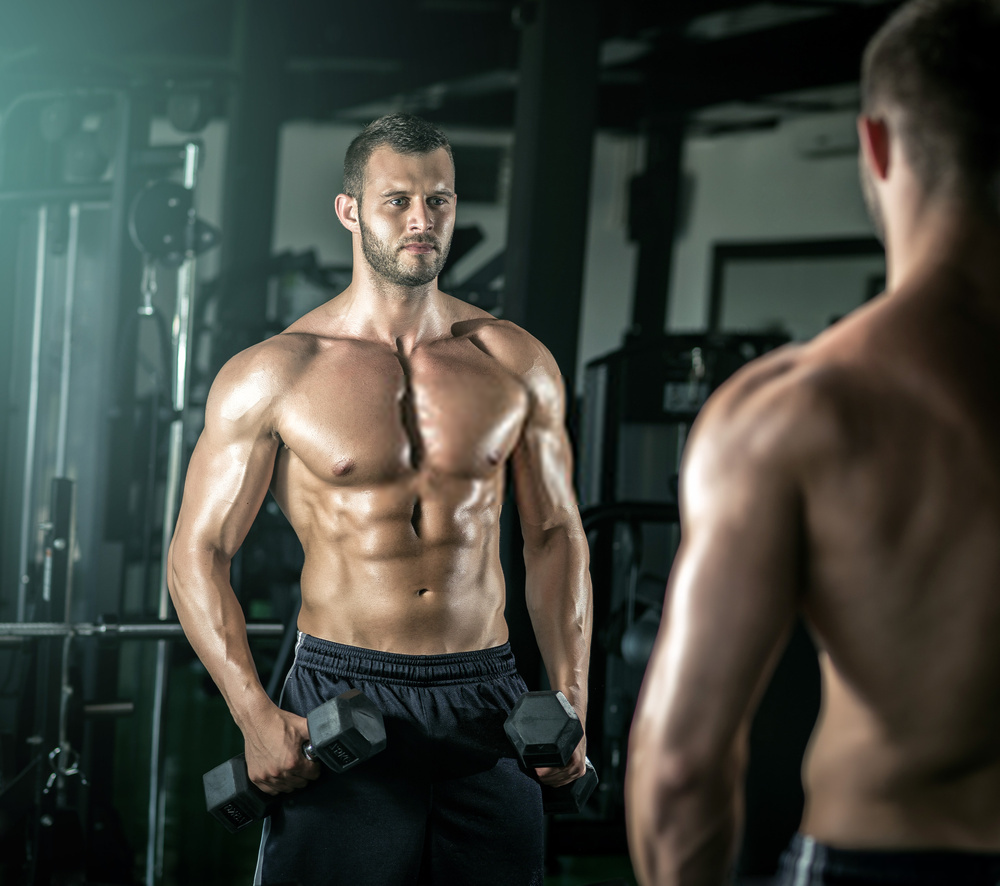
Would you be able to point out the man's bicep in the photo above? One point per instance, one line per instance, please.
(227, 478)
(542, 461)
(542, 473)
(732, 595)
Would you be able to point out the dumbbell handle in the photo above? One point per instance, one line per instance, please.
(572, 796)
(346, 729)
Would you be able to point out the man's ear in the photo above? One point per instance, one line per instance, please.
(347, 212)
(873, 133)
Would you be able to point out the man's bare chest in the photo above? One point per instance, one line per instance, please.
(370, 418)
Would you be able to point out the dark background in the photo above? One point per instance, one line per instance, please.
(88, 455)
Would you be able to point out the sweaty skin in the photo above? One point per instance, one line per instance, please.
(855, 480)
(384, 423)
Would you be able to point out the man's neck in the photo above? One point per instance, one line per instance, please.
(936, 235)
(399, 316)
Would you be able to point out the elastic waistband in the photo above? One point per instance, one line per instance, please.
(354, 662)
(916, 866)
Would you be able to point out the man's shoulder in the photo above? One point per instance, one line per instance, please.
(257, 378)
(276, 356)
(512, 345)
(791, 404)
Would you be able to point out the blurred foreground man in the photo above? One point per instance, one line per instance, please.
(384, 423)
(856, 480)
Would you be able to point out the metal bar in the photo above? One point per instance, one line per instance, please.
(147, 631)
(65, 697)
(160, 155)
(67, 338)
(170, 498)
(97, 194)
(639, 511)
(183, 317)
(59, 549)
(181, 335)
(109, 709)
(185, 291)
(32, 417)
(154, 818)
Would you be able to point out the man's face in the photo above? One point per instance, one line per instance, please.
(407, 215)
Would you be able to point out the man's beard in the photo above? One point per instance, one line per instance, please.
(385, 259)
(871, 199)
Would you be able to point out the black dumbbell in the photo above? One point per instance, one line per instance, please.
(343, 732)
(545, 730)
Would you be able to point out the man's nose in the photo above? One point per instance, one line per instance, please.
(420, 218)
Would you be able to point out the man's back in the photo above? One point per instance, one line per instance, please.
(856, 480)
(902, 591)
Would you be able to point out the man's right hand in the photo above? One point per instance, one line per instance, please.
(558, 776)
(276, 762)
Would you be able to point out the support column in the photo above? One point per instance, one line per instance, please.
(653, 219)
(555, 118)
(251, 171)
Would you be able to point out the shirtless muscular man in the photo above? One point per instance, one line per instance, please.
(855, 479)
(383, 422)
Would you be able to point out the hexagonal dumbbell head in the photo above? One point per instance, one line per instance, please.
(232, 798)
(544, 728)
(570, 797)
(346, 730)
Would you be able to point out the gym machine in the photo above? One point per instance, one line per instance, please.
(638, 407)
(90, 215)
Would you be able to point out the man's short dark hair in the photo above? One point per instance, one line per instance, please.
(937, 64)
(404, 133)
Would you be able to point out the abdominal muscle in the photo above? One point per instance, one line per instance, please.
(377, 576)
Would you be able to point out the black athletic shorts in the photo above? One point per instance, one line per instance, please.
(445, 803)
(809, 863)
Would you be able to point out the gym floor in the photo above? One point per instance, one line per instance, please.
(598, 870)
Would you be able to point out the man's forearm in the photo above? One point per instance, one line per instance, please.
(560, 603)
(213, 622)
(688, 855)
(683, 810)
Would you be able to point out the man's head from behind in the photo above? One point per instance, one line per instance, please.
(933, 70)
(403, 133)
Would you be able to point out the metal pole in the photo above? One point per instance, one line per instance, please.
(32, 417)
(148, 631)
(170, 501)
(65, 697)
(185, 288)
(67, 340)
(183, 315)
(154, 820)
(182, 323)
(62, 433)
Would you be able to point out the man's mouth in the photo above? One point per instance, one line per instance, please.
(419, 248)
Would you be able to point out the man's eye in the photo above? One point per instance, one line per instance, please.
(397, 201)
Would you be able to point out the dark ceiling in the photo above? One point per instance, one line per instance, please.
(452, 60)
